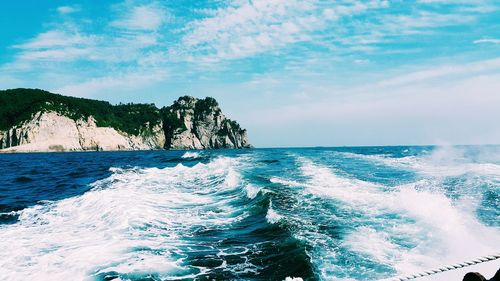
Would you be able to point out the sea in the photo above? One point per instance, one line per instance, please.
(342, 213)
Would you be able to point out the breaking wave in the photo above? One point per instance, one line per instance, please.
(130, 224)
(443, 161)
(390, 229)
(191, 154)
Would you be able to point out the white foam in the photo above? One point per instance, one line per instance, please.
(452, 161)
(293, 279)
(105, 229)
(232, 178)
(444, 161)
(191, 154)
(441, 230)
(252, 191)
(272, 216)
(286, 182)
(377, 243)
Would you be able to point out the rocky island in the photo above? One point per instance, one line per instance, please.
(33, 120)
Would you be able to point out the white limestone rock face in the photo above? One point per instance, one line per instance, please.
(153, 139)
(50, 131)
(184, 138)
(46, 131)
(203, 126)
(100, 138)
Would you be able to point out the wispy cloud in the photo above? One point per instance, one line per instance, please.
(55, 39)
(242, 29)
(444, 72)
(57, 45)
(458, 109)
(132, 32)
(68, 9)
(487, 41)
(252, 27)
(421, 21)
(123, 51)
(130, 80)
(144, 17)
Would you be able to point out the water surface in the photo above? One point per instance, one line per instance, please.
(364, 213)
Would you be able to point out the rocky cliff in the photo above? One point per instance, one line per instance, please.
(189, 123)
(51, 131)
(200, 124)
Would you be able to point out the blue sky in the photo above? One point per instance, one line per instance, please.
(294, 73)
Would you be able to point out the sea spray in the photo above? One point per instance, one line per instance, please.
(430, 223)
(191, 154)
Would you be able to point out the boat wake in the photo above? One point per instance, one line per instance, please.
(382, 231)
(174, 223)
(263, 215)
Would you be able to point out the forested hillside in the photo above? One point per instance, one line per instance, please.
(17, 105)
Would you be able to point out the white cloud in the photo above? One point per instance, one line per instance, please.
(253, 27)
(250, 28)
(418, 22)
(56, 38)
(55, 45)
(446, 1)
(486, 41)
(62, 54)
(67, 9)
(68, 43)
(443, 72)
(116, 82)
(146, 18)
(473, 6)
(241, 29)
(460, 110)
(361, 61)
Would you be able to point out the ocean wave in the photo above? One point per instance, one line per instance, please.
(282, 181)
(252, 191)
(293, 279)
(443, 161)
(175, 223)
(406, 228)
(272, 216)
(129, 224)
(191, 154)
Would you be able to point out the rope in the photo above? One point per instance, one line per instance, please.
(446, 268)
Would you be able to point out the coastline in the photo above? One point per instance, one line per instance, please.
(2, 151)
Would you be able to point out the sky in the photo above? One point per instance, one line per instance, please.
(294, 73)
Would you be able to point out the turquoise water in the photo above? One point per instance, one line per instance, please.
(364, 213)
